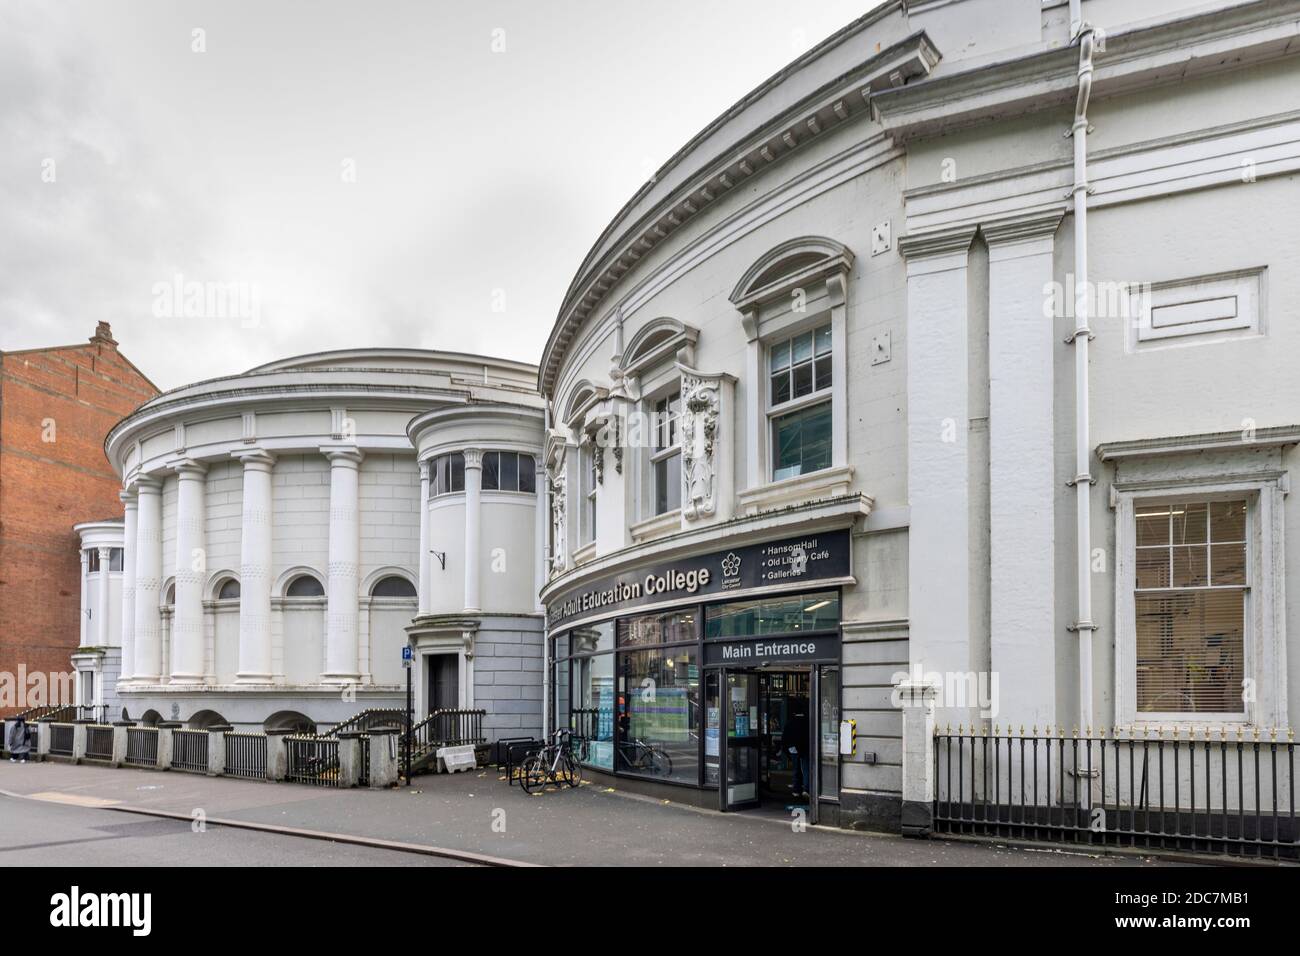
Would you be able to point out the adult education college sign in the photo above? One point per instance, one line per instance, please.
(812, 557)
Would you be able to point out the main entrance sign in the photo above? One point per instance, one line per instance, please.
(773, 650)
(812, 557)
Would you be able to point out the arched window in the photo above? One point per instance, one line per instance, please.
(229, 590)
(304, 586)
(393, 586)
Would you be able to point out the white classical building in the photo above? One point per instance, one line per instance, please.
(832, 426)
(98, 658)
(288, 531)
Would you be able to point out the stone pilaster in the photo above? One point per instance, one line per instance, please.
(148, 582)
(256, 536)
(342, 613)
(191, 574)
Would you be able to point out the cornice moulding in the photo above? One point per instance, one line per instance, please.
(1140, 57)
(1035, 225)
(1272, 437)
(936, 243)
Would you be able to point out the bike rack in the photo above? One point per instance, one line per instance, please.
(516, 750)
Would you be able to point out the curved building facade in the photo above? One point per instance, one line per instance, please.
(280, 532)
(865, 411)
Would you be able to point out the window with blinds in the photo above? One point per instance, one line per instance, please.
(1190, 603)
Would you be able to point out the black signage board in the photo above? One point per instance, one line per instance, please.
(819, 649)
(810, 558)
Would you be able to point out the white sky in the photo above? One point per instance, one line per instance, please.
(475, 170)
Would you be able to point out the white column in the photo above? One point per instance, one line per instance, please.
(128, 583)
(539, 531)
(191, 572)
(101, 612)
(939, 582)
(256, 534)
(473, 496)
(148, 575)
(83, 639)
(341, 618)
(1022, 489)
(425, 597)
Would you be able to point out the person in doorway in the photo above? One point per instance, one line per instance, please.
(794, 738)
(19, 744)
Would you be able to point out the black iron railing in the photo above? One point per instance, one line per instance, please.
(61, 739)
(97, 713)
(445, 728)
(62, 713)
(99, 742)
(312, 760)
(142, 746)
(1204, 791)
(40, 713)
(368, 719)
(245, 755)
(190, 750)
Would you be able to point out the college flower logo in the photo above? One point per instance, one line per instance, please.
(731, 564)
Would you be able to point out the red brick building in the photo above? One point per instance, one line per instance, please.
(56, 406)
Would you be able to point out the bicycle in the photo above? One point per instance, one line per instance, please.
(646, 758)
(553, 763)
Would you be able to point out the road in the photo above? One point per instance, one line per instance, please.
(38, 833)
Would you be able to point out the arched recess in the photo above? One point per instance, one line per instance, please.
(291, 721)
(203, 719)
(298, 597)
(387, 615)
(219, 581)
(167, 594)
(286, 578)
(785, 266)
(374, 578)
(149, 718)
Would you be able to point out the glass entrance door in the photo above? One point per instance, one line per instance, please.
(741, 740)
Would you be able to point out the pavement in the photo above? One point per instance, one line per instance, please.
(474, 817)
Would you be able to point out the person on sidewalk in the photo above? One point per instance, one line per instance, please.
(794, 738)
(19, 742)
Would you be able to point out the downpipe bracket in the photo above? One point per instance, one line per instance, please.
(1069, 339)
(1079, 480)
(1078, 626)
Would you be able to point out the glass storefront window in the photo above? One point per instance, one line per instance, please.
(671, 628)
(795, 613)
(659, 714)
(562, 694)
(592, 718)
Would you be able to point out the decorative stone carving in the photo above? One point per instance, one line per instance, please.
(559, 504)
(618, 443)
(701, 401)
